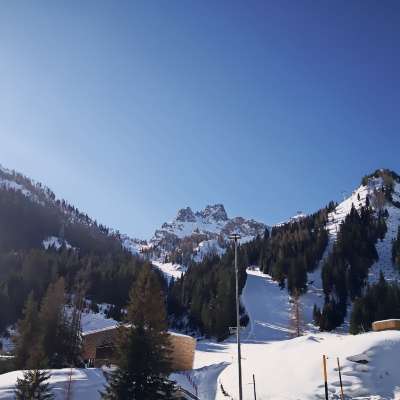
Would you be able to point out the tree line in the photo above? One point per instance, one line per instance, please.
(293, 249)
(345, 271)
(203, 299)
(105, 279)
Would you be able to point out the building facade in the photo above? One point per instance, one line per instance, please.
(99, 348)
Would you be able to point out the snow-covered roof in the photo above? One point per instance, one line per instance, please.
(113, 327)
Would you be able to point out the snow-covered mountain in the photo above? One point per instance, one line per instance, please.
(35, 191)
(203, 232)
(371, 189)
(212, 222)
(61, 213)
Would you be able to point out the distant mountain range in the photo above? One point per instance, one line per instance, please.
(191, 235)
(195, 233)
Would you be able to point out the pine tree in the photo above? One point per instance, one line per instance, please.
(57, 329)
(316, 315)
(74, 342)
(27, 352)
(380, 301)
(143, 363)
(33, 386)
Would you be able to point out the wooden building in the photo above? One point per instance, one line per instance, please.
(99, 348)
(386, 325)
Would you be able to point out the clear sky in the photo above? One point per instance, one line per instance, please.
(131, 110)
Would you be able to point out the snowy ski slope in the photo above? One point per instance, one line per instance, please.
(290, 369)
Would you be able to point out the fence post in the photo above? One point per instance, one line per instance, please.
(325, 377)
(340, 380)
(254, 387)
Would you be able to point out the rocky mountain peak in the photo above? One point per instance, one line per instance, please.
(214, 212)
(186, 215)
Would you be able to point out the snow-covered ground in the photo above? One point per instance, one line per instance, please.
(268, 308)
(291, 369)
(170, 270)
(82, 384)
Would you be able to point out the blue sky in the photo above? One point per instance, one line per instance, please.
(131, 110)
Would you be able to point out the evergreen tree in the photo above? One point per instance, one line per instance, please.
(56, 327)
(380, 301)
(33, 386)
(143, 354)
(345, 271)
(26, 340)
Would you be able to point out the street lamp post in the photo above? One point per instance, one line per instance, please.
(235, 237)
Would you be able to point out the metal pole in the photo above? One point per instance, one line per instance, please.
(325, 377)
(238, 321)
(340, 380)
(254, 387)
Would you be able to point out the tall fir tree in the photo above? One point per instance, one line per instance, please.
(143, 355)
(27, 353)
(58, 338)
(53, 323)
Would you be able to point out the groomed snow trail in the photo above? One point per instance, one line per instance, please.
(268, 308)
